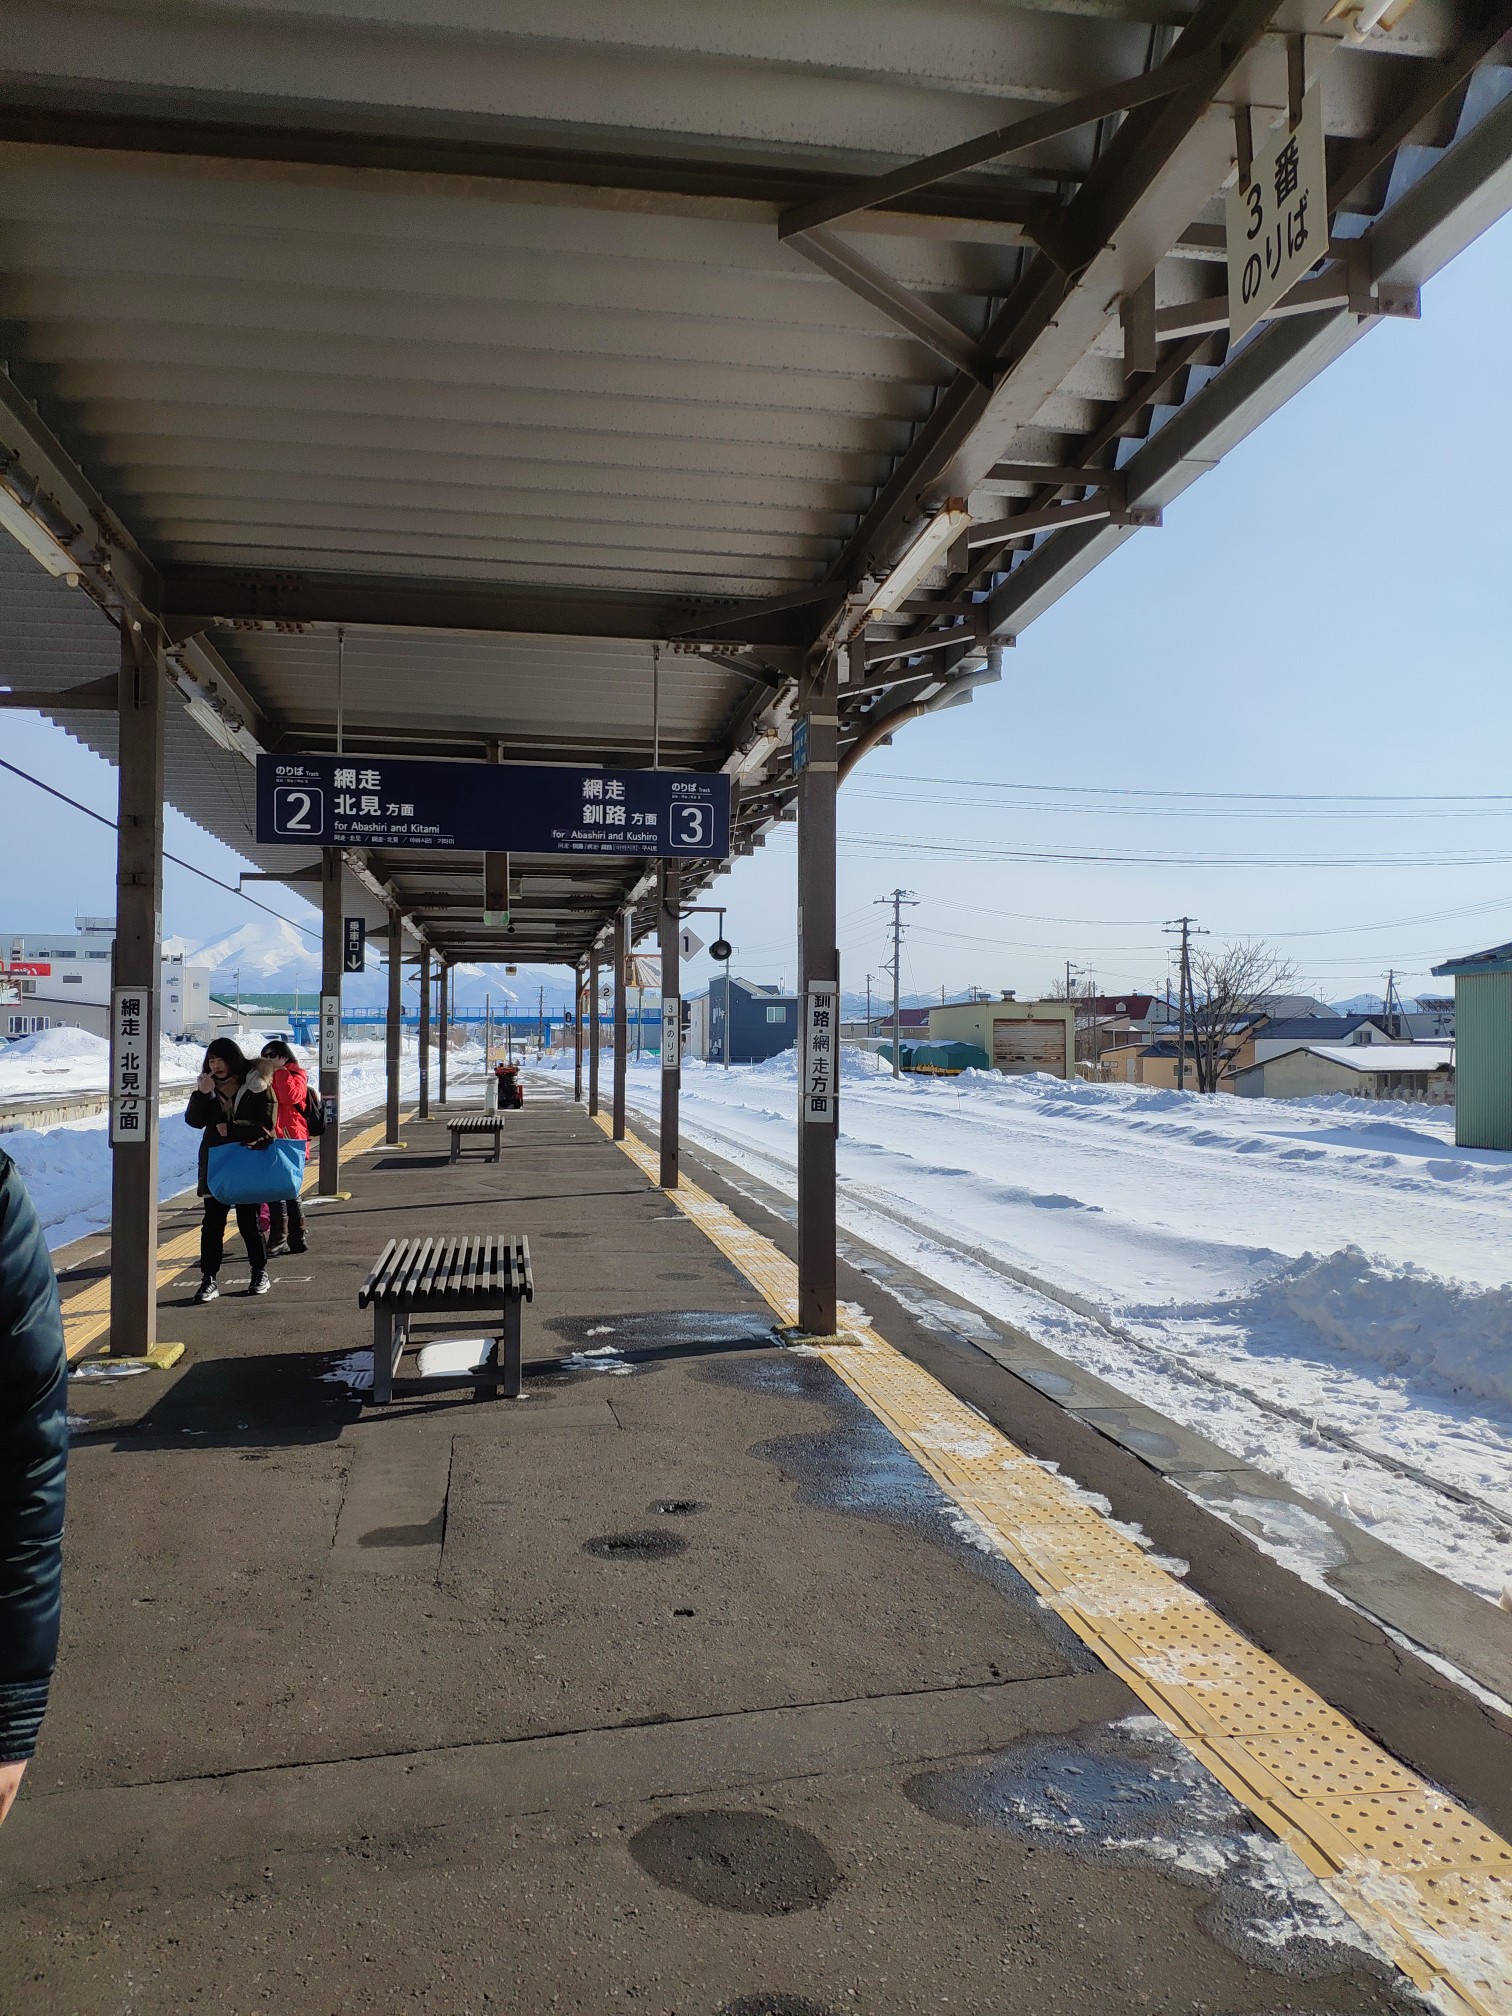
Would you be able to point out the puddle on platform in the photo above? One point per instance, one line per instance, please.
(1128, 1792)
(857, 1466)
(748, 1862)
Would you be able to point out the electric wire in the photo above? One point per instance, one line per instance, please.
(204, 874)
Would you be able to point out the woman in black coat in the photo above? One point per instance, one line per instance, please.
(233, 1101)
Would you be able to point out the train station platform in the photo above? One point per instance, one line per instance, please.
(726, 1671)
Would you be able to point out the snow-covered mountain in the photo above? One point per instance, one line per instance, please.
(270, 956)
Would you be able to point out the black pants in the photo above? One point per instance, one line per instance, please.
(285, 1221)
(213, 1236)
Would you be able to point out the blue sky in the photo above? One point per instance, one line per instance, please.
(1324, 614)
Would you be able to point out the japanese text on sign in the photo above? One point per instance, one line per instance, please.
(131, 1036)
(330, 1032)
(354, 945)
(821, 1053)
(496, 807)
(1277, 222)
(671, 1048)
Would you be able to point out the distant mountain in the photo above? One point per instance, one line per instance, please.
(1369, 1004)
(269, 956)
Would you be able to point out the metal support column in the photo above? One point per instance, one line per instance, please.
(818, 1002)
(443, 987)
(621, 1020)
(577, 1035)
(330, 1019)
(135, 1017)
(423, 1107)
(594, 1037)
(393, 1028)
(669, 928)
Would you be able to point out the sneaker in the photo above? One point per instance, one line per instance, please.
(277, 1252)
(207, 1290)
(259, 1284)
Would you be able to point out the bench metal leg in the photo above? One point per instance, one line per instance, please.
(383, 1357)
(514, 1377)
(456, 1146)
(498, 1155)
(390, 1335)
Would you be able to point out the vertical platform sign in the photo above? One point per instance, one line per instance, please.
(821, 1053)
(130, 1034)
(1277, 221)
(353, 945)
(671, 1048)
(330, 1032)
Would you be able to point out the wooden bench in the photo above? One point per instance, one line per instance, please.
(476, 1123)
(419, 1276)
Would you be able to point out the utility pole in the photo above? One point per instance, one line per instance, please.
(868, 1003)
(898, 899)
(1187, 1009)
(541, 1019)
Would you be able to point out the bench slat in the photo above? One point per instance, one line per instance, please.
(365, 1292)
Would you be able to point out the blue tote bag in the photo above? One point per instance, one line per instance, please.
(242, 1175)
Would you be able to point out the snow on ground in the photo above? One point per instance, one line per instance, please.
(72, 1060)
(1260, 1270)
(67, 1169)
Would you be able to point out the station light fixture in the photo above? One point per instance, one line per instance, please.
(35, 537)
(928, 545)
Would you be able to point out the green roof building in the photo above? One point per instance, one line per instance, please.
(1483, 1047)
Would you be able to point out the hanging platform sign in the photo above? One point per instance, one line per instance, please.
(354, 945)
(522, 808)
(1277, 221)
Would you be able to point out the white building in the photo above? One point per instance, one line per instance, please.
(67, 983)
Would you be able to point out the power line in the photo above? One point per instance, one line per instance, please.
(203, 873)
(884, 845)
(1450, 798)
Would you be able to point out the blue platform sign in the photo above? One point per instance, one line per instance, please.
(519, 808)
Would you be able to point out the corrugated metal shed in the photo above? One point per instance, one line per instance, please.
(535, 361)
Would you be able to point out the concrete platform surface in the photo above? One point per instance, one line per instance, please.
(675, 1686)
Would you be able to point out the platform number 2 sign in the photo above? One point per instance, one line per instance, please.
(299, 811)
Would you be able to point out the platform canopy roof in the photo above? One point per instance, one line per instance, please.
(567, 373)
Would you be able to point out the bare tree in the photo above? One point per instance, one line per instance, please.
(1229, 983)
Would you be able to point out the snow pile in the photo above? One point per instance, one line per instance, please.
(73, 1060)
(67, 1172)
(1457, 1339)
(1276, 1274)
(67, 1169)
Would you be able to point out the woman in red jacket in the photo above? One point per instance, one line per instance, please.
(290, 1091)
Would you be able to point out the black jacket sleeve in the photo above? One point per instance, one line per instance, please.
(33, 1462)
(204, 1109)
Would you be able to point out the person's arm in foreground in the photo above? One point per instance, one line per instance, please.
(33, 1461)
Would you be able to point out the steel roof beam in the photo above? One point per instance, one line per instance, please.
(1035, 339)
(1199, 70)
(774, 186)
(1456, 199)
(900, 304)
(196, 598)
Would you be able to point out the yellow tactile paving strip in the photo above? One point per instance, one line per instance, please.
(1422, 1876)
(86, 1315)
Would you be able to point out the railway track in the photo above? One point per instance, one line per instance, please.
(1171, 1363)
